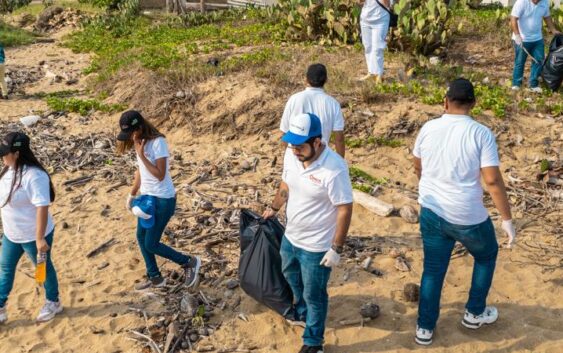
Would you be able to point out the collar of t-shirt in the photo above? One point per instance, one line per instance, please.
(316, 163)
(456, 116)
(314, 89)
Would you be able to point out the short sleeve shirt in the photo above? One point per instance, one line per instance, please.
(19, 216)
(453, 149)
(316, 101)
(314, 194)
(150, 185)
(530, 18)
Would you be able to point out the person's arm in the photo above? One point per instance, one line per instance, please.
(339, 143)
(550, 25)
(343, 220)
(495, 186)
(417, 167)
(514, 25)
(281, 198)
(136, 183)
(41, 227)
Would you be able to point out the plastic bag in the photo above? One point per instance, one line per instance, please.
(552, 71)
(260, 267)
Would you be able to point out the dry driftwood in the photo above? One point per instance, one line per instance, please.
(101, 248)
(373, 204)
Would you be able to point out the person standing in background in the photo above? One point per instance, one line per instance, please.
(374, 24)
(3, 85)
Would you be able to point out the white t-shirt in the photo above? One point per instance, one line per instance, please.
(316, 101)
(373, 14)
(453, 149)
(19, 216)
(150, 185)
(530, 17)
(314, 194)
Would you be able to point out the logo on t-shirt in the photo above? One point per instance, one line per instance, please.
(315, 180)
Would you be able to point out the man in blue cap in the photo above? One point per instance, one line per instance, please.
(316, 186)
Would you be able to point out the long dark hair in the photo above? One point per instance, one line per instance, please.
(26, 158)
(148, 132)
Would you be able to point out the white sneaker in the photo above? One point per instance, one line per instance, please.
(515, 88)
(423, 336)
(535, 90)
(296, 323)
(3, 315)
(49, 310)
(488, 316)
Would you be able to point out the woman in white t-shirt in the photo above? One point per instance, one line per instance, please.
(374, 24)
(152, 178)
(26, 192)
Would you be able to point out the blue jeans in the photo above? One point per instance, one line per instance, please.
(308, 281)
(438, 238)
(149, 239)
(536, 49)
(11, 255)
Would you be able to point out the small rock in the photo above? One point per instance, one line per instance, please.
(185, 345)
(194, 337)
(206, 205)
(180, 94)
(245, 165)
(366, 263)
(96, 330)
(228, 294)
(189, 304)
(411, 291)
(370, 310)
(103, 265)
(434, 60)
(409, 214)
(231, 283)
(394, 253)
(401, 264)
(65, 225)
(203, 332)
(71, 82)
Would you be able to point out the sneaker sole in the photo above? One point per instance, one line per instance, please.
(296, 323)
(475, 326)
(423, 342)
(50, 317)
(197, 267)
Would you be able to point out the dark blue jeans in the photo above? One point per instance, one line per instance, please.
(308, 281)
(149, 239)
(536, 49)
(438, 238)
(11, 255)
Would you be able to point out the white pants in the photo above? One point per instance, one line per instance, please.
(3, 85)
(373, 39)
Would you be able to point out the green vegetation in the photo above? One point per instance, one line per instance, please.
(359, 175)
(81, 106)
(36, 8)
(7, 6)
(378, 141)
(12, 36)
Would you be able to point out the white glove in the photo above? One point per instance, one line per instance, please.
(517, 39)
(129, 202)
(509, 229)
(139, 213)
(330, 259)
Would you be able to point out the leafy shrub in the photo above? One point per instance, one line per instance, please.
(11, 36)
(7, 6)
(80, 106)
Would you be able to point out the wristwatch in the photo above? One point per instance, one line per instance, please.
(337, 249)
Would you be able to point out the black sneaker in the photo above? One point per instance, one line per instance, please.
(155, 282)
(191, 269)
(311, 349)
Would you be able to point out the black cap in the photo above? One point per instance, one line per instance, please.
(461, 90)
(13, 142)
(130, 121)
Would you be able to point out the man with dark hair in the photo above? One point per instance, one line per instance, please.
(314, 100)
(451, 154)
(317, 188)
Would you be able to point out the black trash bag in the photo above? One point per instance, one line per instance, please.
(260, 268)
(552, 71)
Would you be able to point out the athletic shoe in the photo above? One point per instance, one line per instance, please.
(296, 323)
(155, 282)
(488, 316)
(49, 310)
(378, 79)
(366, 77)
(191, 269)
(515, 88)
(423, 336)
(535, 90)
(3, 314)
(311, 349)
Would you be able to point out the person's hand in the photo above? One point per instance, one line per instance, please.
(42, 246)
(331, 259)
(129, 202)
(510, 231)
(555, 32)
(518, 39)
(139, 145)
(269, 213)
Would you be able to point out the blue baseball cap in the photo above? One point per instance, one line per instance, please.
(301, 128)
(144, 208)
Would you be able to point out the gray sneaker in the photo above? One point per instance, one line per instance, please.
(191, 269)
(155, 282)
(3, 314)
(49, 310)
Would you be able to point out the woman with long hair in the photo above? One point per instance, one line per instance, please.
(153, 180)
(26, 191)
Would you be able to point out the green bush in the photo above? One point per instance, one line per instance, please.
(7, 6)
(81, 106)
(11, 36)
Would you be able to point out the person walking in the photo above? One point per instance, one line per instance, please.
(374, 25)
(451, 154)
(152, 179)
(526, 21)
(317, 189)
(3, 85)
(26, 191)
(315, 100)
